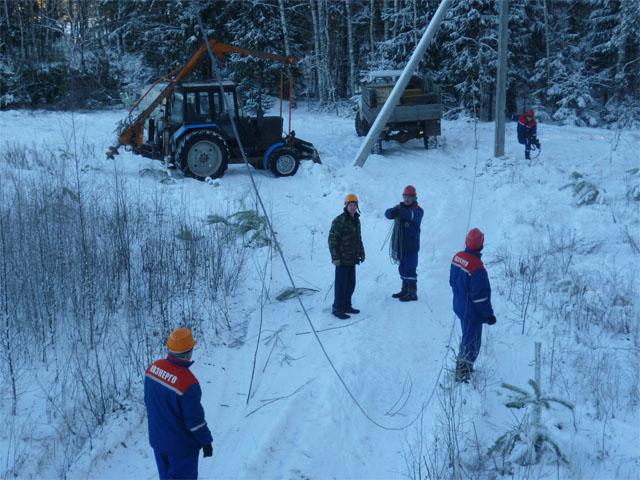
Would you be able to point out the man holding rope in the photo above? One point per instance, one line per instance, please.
(405, 242)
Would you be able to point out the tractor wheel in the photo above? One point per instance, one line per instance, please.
(362, 126)
(202, 154)
(284, 162)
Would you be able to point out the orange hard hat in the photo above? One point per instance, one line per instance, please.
(352, 197)
(181, 340)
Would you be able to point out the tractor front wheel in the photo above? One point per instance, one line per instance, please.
(202, 154)
(284, 162)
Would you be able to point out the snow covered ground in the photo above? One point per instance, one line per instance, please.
(396, 358)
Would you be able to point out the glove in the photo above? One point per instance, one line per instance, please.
(538, 143)
(492, 320)
(361, 258)
(336, 262)
(207, 451)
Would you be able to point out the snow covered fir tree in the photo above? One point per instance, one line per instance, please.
(117, 273)
(575, 62)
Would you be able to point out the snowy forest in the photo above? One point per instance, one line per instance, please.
(574, 62)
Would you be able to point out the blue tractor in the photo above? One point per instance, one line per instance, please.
(189, 124)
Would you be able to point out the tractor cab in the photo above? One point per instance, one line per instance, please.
(196, 105)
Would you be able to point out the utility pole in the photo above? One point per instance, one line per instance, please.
(398, 89)
(501, 81)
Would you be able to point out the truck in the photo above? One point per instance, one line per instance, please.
(189, 125)
(417, 115)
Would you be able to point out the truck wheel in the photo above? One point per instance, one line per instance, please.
(362, 126)
(202, 154)
(284, 162)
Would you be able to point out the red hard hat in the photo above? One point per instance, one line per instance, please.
(410, 191)
(475, 239)
(530, 113)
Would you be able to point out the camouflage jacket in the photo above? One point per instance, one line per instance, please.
(345, 241)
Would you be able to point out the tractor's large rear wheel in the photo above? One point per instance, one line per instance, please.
(202, 154)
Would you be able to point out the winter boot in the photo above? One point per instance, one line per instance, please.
(351, 310)
(340, 315)
(411, 294)
(403, 290)
(463, 371)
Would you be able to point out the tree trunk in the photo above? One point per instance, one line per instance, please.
(415, 21)
(372, 17)
(285, 31)
(547, 42)
(325, 44)
(385, 19)
(395, 19)
(316, 50)
(350, 42)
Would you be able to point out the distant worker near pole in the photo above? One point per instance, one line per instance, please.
(347, 251)
(177, 427)
(528, 132)
(405, 242)
(471, 301)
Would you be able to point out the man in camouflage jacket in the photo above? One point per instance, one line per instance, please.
(345, 245)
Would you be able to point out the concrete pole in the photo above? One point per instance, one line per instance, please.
(501, 81)
(398, 89)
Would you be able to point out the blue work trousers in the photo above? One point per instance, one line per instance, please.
(527, 141)
(408, 266)
(345, 284)
(471, 339)
(169, 467)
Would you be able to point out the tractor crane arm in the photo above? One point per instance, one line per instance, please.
(132, 129)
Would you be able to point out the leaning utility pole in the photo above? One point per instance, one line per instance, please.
(501, 81)
(398, 89)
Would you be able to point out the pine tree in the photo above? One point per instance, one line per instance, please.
(469, 43)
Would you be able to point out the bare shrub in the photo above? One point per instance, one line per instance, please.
(522, 274)
(92, 283)
(450, 450)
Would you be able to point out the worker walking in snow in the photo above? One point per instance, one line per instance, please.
(471, 301)
(347, 250)
(177, 428)
(527, 132)
(405, 242)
